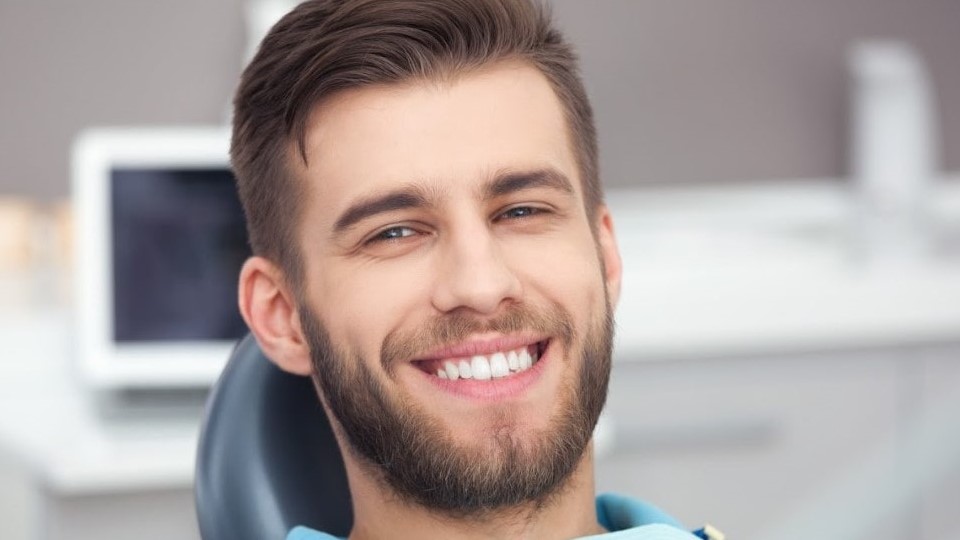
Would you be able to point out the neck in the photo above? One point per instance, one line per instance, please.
(379, 514)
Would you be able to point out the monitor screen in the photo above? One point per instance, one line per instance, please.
(178, 244)
(160, 240)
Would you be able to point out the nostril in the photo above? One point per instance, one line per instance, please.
(478, 281)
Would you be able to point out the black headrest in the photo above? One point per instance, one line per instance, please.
(267, 459)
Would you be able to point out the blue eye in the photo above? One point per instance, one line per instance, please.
(519, 212)
(393, 233)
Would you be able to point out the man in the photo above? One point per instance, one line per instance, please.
(432, 248)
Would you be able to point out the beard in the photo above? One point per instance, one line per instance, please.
(410, 451)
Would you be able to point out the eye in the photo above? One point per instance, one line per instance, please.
(392, 234)
(520, 212)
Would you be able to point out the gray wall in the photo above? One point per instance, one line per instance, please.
(685, 90)
(67, 65)
(714, 90)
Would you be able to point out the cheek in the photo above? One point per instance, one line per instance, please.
(568, 271)
(362, 305)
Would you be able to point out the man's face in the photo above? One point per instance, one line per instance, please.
(454, 293)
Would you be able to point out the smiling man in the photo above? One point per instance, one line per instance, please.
(432, 248)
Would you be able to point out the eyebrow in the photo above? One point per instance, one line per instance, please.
(414, 196)
(506, 183)
(401, 199)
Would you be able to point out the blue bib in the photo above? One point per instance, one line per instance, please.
(625, 518)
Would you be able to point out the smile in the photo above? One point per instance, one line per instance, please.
(485, 367)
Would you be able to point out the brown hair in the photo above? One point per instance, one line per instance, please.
(326, 46)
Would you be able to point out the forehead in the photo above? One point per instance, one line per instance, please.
(451, 135)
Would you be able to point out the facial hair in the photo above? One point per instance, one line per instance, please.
(412, 453)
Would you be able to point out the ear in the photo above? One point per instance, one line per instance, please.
(609, 254)
(269, 309)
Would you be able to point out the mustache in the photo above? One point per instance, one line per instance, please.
(457, 326)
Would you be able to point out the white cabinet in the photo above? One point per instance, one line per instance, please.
(940, 389)
(161, 514)
(753, 445)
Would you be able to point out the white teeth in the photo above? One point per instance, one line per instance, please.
(480, 368)
(453, 373)
(465, 372)
(525, 360)
(513, 361)
(498, 365)
(483, 368)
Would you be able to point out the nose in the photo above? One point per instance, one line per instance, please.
(474, 274)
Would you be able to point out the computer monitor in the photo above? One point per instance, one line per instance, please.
(160, 242)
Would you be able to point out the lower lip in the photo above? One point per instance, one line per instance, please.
(495, 389)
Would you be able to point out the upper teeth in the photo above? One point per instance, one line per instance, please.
(483, 368)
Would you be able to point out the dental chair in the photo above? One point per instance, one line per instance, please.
(267, 458)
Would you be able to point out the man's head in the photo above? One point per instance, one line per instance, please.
(326, 47)
(420, 185)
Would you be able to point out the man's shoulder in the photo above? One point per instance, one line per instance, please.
(626, 518)
(632, 519)
(656, 531)
(303, 533)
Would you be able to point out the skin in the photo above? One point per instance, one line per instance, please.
(463, 252)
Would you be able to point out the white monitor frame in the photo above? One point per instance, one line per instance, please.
(103, 362)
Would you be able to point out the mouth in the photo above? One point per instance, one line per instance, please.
(485, 365)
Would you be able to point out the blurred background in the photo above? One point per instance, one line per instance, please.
(785, 178)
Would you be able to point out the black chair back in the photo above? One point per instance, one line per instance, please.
(267, 459)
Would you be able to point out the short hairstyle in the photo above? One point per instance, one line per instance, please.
(323, 47)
